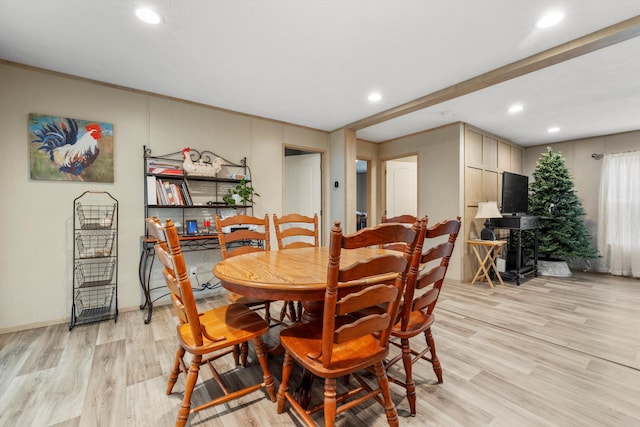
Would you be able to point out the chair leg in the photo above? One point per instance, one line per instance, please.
(284, 384)
(292, 312)
(383, 383)
(173, 376)
(244, 351)
(288, 311)
(236, 354)
(267, 312)
(330, 402)
(269, 383)
(434, 357)
(192, 377)
(408, 369)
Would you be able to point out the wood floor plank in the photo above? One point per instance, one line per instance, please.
(47, 349)
(14, 353)
(105, 399)
(139, 340)
(64, 393)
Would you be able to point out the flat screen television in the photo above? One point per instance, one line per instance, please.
(515, 194)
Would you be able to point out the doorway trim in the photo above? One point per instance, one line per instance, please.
(323, 184)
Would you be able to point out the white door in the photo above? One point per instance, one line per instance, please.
(402, 186)
(303, 185)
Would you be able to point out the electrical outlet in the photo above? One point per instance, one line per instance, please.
(193, 271)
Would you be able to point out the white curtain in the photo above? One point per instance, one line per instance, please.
(619, 218)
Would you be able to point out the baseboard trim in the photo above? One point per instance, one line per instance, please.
(20, 328)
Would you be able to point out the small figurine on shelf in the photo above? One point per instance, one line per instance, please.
(200, 168)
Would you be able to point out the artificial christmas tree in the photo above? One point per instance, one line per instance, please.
(552, 197)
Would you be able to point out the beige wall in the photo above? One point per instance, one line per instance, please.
(585, 171)
(440, 182)
(36, 244)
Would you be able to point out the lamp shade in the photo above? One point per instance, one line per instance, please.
(488, 210)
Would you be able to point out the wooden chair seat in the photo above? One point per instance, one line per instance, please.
(346, 359)
(228, 325)
(419, 321)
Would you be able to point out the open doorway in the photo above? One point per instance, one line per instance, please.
(401, 186)
(362, 193)
(302, 192)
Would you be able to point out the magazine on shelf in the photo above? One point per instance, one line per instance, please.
(159, 168)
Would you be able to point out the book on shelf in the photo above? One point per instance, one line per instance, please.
(158, 168)
(185, 193)
(171, 193)
(152, 192)
(170, 198)
(160, 195)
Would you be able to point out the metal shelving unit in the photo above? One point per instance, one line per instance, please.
(195, 202)
(95, 258)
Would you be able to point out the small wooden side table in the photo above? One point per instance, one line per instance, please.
(492, 249)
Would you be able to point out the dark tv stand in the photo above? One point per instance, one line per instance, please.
(516, 224)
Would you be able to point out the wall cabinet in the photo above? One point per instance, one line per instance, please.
(95, 258)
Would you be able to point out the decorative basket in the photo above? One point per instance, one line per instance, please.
(90, 274)
(93, 217)
(95, 243)
(94, 302)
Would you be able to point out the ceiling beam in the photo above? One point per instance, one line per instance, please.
(600, 39)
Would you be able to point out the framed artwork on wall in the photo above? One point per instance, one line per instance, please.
(66, 149)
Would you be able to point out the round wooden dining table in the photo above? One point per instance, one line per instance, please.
(298, 274)
(288, 275)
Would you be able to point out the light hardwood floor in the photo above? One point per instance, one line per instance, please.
(551, 352)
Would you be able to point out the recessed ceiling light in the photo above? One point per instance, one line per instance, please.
(375, 96)
(148, 16)
(516, 108)
(550, 19)
(553, 129)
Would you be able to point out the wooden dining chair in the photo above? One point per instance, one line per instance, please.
(339, 345)
(245, 234)
(401, 219)
(295, 231)
(419, 301)
(295, 226)
(206, 336)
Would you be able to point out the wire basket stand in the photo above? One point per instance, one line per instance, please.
(95, 258)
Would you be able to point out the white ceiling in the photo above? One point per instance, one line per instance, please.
(313, 62)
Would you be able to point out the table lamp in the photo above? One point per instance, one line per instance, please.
(488, 210)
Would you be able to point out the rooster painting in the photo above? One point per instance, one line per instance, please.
(68, 147)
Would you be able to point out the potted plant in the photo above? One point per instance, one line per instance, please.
(241, 194)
